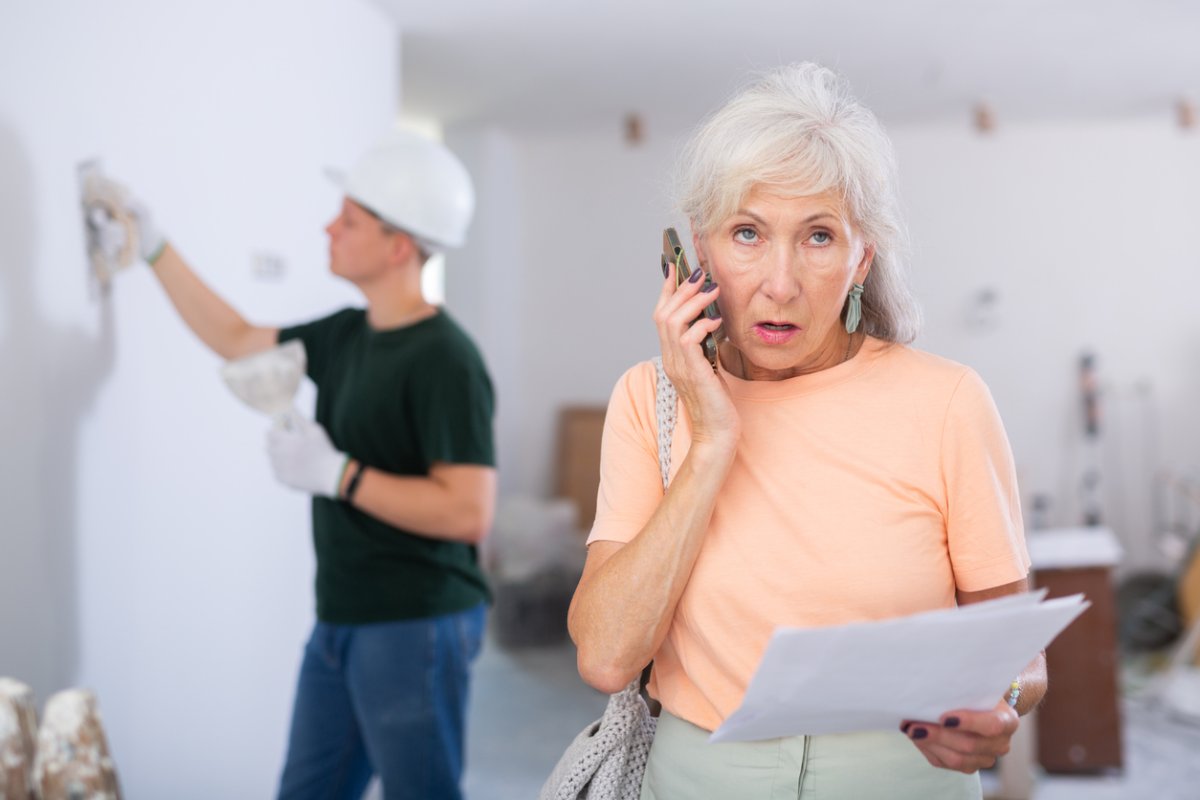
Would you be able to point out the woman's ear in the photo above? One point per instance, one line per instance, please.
(864, 266)
(700, 250)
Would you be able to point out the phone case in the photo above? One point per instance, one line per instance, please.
(674, 257)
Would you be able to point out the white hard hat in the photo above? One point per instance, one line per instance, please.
(416, 184)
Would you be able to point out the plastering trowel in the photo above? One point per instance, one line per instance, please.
(268, 381)
(110, 230)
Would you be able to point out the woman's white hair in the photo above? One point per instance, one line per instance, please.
(798, 129)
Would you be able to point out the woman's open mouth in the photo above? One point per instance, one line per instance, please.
(775, 332)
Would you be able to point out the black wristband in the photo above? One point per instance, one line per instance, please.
(352, 486)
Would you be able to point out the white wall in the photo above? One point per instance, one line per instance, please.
(1086, 232)
(1082, 230)
(566, 238)
(485, 282)
(145, 550)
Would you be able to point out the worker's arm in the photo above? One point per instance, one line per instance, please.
(455, 501)
(214, 321)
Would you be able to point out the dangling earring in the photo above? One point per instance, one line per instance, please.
(854, 308)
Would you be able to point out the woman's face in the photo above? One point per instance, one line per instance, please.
(785, 265)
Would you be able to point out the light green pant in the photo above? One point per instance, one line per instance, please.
(849, 766)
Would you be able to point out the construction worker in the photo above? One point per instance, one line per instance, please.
(400, 465)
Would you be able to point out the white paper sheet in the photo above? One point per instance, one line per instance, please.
(875, 675)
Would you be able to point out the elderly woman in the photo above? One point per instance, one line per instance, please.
(824, 473)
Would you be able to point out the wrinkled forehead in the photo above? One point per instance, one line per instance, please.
(802, 197)
(806, 169)
(828, 198)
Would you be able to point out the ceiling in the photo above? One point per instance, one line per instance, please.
(567, 63)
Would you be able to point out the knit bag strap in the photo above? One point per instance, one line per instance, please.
(665, 410)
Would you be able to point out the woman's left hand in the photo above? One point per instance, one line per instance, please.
(966, 741)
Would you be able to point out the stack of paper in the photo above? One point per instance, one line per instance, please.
(875, 675)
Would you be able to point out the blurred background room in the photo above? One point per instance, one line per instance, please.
(1049, 160)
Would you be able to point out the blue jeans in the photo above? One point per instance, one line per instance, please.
(387, 697)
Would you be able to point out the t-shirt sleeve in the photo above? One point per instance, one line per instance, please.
(984, 530)
(453, 410)
(630, 481)
(319, 341)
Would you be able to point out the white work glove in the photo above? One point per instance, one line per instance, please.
(109, 203)
(303, 457)
(107, 235)
(150, 239)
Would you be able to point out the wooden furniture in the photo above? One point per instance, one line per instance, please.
(578, 477)
(1079, 722)
(1189, 596)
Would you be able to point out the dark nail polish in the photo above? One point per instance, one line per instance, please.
(708, 287)
(951, 722)
(919, 733)
(695, 276)
(904, 728)
(664, 266)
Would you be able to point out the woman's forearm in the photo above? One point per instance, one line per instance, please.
(625, 601)
(1034, 684)
(1033, 677)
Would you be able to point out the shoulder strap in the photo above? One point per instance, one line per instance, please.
(665, 403)
(665, 411)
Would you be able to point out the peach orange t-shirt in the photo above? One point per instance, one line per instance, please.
(869, 490)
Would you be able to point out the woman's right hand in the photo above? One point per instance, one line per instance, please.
(710, 408)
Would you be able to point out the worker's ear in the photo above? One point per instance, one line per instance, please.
(403, 247)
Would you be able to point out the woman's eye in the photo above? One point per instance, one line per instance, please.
(745, 235)
(821, 237)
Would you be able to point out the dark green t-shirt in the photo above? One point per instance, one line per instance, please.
(399, 401)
